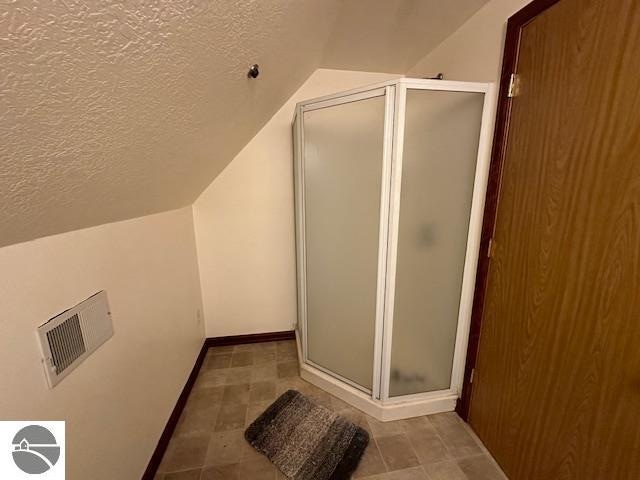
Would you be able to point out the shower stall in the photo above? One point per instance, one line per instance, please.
(390, 182)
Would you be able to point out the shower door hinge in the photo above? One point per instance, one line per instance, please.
(491, 248)
(514, 83)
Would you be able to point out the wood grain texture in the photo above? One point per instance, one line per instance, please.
(557, 384)
(503, 115)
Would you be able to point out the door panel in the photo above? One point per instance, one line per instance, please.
(556, 391)
(438, 167)
(343, 154)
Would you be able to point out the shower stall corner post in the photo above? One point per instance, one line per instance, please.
(383, 252)
(392, 240)
(298, 188)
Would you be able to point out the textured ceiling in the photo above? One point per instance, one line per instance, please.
(116, 109)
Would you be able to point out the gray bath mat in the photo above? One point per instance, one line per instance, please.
(307, 441)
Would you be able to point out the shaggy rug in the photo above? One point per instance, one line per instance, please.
(306, 441)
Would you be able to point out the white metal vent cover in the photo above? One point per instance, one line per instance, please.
(70, 337)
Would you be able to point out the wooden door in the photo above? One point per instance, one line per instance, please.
(556, 388)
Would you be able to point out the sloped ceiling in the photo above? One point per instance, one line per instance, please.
(117, 109)
(392, 35)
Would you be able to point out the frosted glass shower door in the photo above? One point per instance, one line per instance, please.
(440, 149)
(342, 178)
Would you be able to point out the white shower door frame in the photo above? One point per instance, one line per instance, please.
(388, 92)
(395, 100)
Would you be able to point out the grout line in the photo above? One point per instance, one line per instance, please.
(386, 467)
(415, 452)
(485, 451)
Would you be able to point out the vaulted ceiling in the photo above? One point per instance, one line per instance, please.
(117, 109)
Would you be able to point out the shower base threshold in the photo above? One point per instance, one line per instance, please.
(385, 411)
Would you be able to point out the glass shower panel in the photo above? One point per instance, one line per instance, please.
(440, 148)
(342, 186)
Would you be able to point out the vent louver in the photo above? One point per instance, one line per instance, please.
(67, 339)
(66, 343)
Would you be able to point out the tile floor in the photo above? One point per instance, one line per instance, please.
(237, 383)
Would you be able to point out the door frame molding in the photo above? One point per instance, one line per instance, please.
(515, 24)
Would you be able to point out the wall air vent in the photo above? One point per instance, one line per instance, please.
(67, 339)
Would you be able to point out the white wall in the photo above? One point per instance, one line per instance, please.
(474, 51)
(118, 401)
(244, 223)
(244, 219)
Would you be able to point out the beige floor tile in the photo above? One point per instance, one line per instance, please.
(185, 453)
(226, 448)
(204, 397)
(252, 455)
(381, 429)
(397, 452)
(321, 398)
(440, 420)
(357, 418)
(337, 404)
(220, 472)
(185, 475)
(210, 378)
(415, 473)
(231, 417)
(244, 347)
(238, 375)
(236, 394)
(458, 441)
(287, 369)
(480, 468)
(257, 469)
(262, 391)
(416, 423)
(241, 359)
(428, 445)
(287, 354)
(262, 357)
(286, 345)
(255, 410)
(219, 421)
(448, 470)
(220, 350)
(217, 361)
(290, 383)
(197, 421)
(371, 462)
(264, 372)
(305, 387)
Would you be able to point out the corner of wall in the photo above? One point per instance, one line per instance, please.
(244, 223)
(148, 266)
(474, 51)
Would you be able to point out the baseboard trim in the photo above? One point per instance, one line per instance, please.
(253, 338)
(170, 427)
